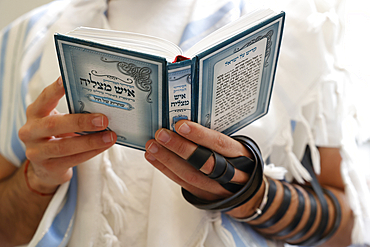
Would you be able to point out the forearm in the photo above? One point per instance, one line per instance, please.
(342, 237)
(173, 155)
(300, 210)
(300, 218)
(21, 209)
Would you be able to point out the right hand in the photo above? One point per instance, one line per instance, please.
(52, 146)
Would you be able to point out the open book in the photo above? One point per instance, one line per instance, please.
(143, 83)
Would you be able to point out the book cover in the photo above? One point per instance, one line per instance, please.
(133, 80)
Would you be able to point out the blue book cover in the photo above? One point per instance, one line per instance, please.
(134, 80)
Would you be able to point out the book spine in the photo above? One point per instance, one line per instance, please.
(179, 92)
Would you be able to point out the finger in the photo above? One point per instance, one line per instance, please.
(194, 190)
(183, 170)
(184, 148)
(47, 100)
(181, 146)
(70, 161)
(61, 124)
(211, 139)
(57, 170)
(64, 147)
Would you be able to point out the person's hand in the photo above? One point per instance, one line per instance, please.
(52, 146)
(169, 151)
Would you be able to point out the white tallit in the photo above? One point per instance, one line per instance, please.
(124, 201)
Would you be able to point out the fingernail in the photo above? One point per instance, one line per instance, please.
(98, 122)
(60, 81)
(163, 136)
(107, 137)
(153, 148)
(184, 129)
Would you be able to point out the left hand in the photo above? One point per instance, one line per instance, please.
(169, 150)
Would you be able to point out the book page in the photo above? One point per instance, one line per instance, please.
(236, 77)
(129, 41)
(238, 80)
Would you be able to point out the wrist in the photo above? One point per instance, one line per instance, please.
(252, 207)
(35, 184)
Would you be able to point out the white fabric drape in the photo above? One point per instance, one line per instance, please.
(122, 200)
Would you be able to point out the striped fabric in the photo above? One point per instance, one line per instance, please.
(22, 46)
(200, 28)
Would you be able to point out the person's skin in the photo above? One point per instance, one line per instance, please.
(169, 150)
(53, 149)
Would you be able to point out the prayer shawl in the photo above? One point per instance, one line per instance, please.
(121, 200)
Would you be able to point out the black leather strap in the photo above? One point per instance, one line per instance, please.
(232, 187)
(241, 196)
(318, 234)
(224, 168)
(338, 216)
(310, 220)
(318, 238)
(199, 157)
(297, 218)
(219, 167)
(285, 203)
(270, 198)
(227, 175)
(242, 163)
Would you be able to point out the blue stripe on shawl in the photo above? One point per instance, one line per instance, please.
(16, 144)
(197, 27)
(227, 224)
(241, 5)
(293, 124)
(60, 230)
(2, 63)
(243, 234)
(27, 78)
(33, 20)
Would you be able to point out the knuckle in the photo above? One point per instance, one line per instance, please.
(50, 124)
(53, 149)
(220, 142)
(32, 154)
(91, 141)
(29, 110)
(200, 135)
(182, 148)
(58, 149)
(47, 150)
(166, 159)
(24, 133)
(191, 178)
(80, 121)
